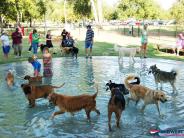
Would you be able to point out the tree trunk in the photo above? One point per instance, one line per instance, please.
(94, 10)
(30, 22)
(65, 14)
(100, 15)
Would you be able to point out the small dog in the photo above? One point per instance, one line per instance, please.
(10, 79)
(33, 92)
(131, 52)
(33, 80)
(163, 76)
(149, 96)
(117, 105)
(121, 87)
(74, 103)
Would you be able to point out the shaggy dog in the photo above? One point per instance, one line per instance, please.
(74, 103)
(116, 105)
(131, 52)
(33, 80)
(163, 76)
(33, 92)
(10, 79)
(149, 96)
(121, 87)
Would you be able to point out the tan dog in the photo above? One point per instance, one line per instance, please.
(33, 80)
(149, 96)
(74, 103)
(33, 92)
(10, 79)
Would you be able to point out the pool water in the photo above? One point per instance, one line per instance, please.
(17, 120)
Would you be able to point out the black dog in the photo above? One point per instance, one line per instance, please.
(121, 86)
(42, 46)
(117, 105)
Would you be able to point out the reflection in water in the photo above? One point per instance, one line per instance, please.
(17, 120)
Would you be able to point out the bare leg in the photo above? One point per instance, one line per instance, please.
(142, 110)
(86, 52)
(90, 51)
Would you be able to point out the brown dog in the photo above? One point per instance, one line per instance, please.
(149, 96)
(33, 92)
(74, 103)
(33, 80)
(10, 79)
(116, 105)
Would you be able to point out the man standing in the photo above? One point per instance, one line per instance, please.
(89, 40)
(17, 42)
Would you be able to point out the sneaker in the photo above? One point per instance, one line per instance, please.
(145, 56)
(86, 56)
(90, 57)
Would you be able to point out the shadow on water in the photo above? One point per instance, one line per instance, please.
(80, 76)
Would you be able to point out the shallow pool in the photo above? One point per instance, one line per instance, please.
(17, 120)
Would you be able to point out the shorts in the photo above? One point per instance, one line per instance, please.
(6, 49)
(88, 45)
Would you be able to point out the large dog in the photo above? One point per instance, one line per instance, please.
(74, 103)
(148, 95)
(33, 80)
(131, 52)
(70, 50)
(163, 76)
(10, 79)
(33, 92)
(110, 85)
(116, 105)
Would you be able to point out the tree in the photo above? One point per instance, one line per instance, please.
(177, 11)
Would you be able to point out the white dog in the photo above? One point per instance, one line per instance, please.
(131, 52)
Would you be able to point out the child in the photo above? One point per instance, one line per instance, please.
(6, 45)
(47, 63)
(36, 65)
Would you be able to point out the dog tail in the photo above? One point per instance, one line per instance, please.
(59, 86)
(94, 96)
(127, 84)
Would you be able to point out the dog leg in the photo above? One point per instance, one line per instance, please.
(143, 107)
(173, 86)
(161, 86)
(56, 113)
(109, 120)
(156, 85)
(137, 101)
(157, 104)
(118, 116)
(88, 113)
(97, 111)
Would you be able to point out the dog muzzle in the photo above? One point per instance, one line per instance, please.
(163, 101)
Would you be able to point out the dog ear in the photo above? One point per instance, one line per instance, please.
(27, 90)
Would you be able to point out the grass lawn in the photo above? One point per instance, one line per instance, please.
(99, 49)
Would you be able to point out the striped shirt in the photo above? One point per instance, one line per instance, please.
(89, 35)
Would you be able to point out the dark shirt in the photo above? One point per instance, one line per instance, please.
(64, 34)
(17, 38)
(89, 35)
(49, 42)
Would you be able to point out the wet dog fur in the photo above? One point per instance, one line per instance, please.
(163, 76)
(116, 105)
(33, 92)
(148, 95)
(9, 79)
(121, 87)
(74, 104)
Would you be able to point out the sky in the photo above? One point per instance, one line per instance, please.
(166, 4)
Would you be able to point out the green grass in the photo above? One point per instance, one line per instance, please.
(99, 49)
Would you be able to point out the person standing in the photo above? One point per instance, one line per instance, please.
(35, 41)
(63, 35)
(89, 40)
(17, 43)
(144, 40)
(47, 63)
(30, 40)
(49, 39)
(5, 44)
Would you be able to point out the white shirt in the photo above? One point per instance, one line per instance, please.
(5, 40)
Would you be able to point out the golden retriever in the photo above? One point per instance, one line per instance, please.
(148, 95)
(74, 103)
(33, 92)
(10, 79)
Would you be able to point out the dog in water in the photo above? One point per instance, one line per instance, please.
(163, 76)
(148, 95)
(116, 105)
(33, 80)
(74, 104)
(10, 79)
(110, 85)
(123, 51)
(33, 92)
